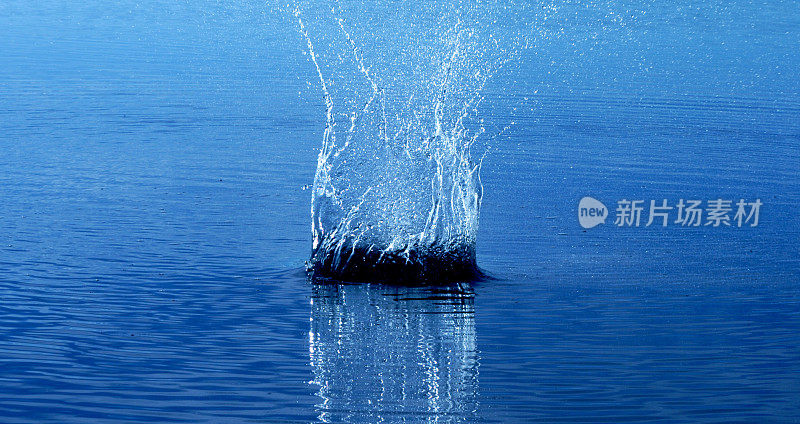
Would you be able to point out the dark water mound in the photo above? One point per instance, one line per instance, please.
(433, 264)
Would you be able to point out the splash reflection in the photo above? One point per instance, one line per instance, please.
(394, 354)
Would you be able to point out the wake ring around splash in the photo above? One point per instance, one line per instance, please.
(415, 265)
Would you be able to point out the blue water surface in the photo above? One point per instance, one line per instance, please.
(154, 222)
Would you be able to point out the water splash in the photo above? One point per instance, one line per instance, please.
(397, 191)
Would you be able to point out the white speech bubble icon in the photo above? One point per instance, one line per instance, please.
(591, 212)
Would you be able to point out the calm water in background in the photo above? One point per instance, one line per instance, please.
(154, 226)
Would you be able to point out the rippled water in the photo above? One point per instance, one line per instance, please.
(154, 223)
